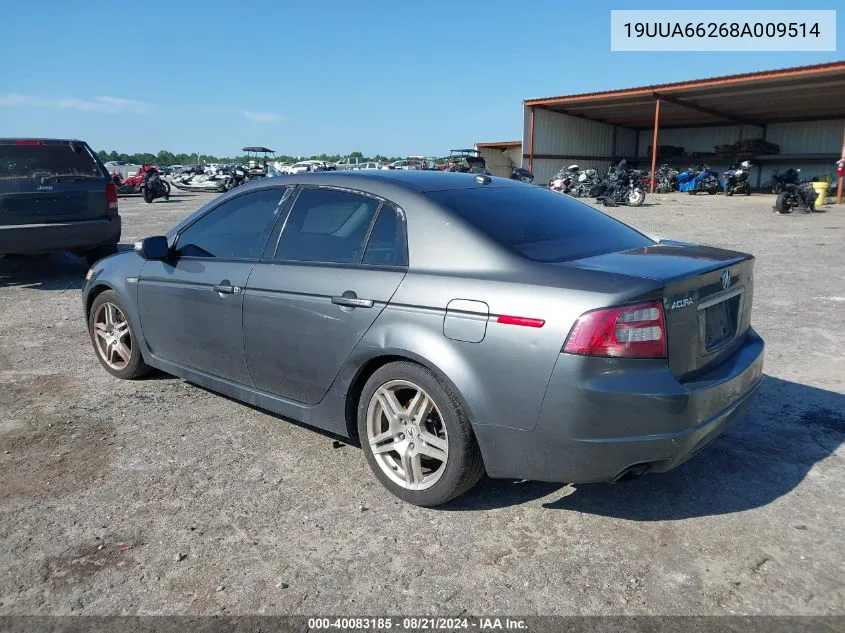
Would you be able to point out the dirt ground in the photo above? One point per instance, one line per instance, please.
(157, 497)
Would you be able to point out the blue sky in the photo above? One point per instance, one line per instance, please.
(395, 78)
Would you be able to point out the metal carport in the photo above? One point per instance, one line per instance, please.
(771, 105)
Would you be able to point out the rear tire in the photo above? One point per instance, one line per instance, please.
(782, 204)
(148, 195)
(96, 254)
(424, 406)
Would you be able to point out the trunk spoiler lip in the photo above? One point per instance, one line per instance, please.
(708, 265)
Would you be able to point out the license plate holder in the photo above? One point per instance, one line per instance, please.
(720, 322)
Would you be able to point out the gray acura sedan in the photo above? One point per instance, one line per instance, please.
(454, 324)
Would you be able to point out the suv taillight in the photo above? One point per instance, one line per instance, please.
(634, 331)
(111, 199)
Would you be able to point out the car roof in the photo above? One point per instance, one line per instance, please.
(13, 139)
(418, 181)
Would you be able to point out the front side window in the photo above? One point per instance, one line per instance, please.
(327, 225)
(236, 229)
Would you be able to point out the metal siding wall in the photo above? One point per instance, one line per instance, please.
(497, 162)
(556, 133)
(514, 154)
(699, 139)
(808, 137)
(626, 141)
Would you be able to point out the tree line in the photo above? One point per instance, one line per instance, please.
(165, 158)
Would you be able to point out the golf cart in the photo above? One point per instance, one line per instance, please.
(466, 160)
(257, 165)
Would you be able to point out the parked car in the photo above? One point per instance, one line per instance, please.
(349, 163)
(454, 323)
(407, 165)
(305, 166)
(370, 165)
(56, 195)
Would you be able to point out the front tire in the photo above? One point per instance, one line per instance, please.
(782, 204)
(113, 338)
(416, 435)
(636, 197)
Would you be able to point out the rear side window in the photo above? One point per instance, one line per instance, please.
(327, 225)
(539, 224)
(387, 245)
(38, 160)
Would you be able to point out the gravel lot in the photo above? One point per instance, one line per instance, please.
(158, 497)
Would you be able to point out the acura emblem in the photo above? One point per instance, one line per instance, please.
(726, 279)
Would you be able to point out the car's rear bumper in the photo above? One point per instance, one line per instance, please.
(59, 236)
(597, 424)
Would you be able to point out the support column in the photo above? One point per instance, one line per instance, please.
(654, 143)
(531, 141)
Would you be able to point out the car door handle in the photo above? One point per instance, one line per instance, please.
(350, 300)
(226, 288)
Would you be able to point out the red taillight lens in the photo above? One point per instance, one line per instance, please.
(28, 142)
(111, 199)
(635, 331)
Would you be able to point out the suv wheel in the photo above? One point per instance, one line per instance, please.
(416, 436)
(96, 254)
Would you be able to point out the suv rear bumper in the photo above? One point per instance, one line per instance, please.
(601, 421)
(59, 236)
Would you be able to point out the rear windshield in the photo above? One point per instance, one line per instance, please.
(38, 161)
(540, 224)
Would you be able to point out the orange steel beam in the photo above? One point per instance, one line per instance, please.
(531, 142)
(704, 83)
(654, 144)
(841, 178)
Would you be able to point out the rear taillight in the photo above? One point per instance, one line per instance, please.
(111, 199)
(29, 142)
(634, 331)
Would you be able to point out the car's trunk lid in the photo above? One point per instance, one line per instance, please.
(44, 182)
(706, 292)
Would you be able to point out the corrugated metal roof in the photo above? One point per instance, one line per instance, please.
(790, 94)
(799, 71)
(500, 144)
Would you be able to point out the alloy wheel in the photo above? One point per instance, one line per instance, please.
(112, 337)
(407, 435)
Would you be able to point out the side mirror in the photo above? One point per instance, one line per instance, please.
(153, 247)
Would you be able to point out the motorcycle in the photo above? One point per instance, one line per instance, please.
(622, 186)
(154, 187)
(566, 179)
(666, 179)
(696, 180)
(737, 179)
(796, 195)
(780, 180)
(147, 182)
(588, 185)
(522, 174)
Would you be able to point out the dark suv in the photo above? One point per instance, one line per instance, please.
(56, 195)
